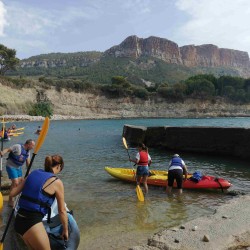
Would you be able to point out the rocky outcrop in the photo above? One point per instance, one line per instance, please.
(208, 140)
(207, 55)
(135, 47)
(58, 60)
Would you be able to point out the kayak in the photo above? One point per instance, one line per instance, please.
(54, 230)
(16, 129)
(15, 133)
(159, 178)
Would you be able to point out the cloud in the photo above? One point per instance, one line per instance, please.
(223, 23)
(3, 21)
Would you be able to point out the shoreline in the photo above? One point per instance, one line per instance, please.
(228, 228)
(16, 118)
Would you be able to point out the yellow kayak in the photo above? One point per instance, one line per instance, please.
(17, 129)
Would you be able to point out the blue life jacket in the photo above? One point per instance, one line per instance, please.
(5, 135)
(176, 161)
(19, 159)
(33, 197)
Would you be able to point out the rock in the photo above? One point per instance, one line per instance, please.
(194, 228)
(206, 238)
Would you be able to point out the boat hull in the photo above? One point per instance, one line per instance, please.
(159, 178)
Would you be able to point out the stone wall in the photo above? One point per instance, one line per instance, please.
(209, 140)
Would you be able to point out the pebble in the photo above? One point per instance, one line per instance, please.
(206, 238)
(194, 228)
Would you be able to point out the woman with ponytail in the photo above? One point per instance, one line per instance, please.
(39, 190)
(143, 160)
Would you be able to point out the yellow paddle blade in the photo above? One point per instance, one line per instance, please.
(42, 135)
(1, 245)
(124, 142)
(139, 193)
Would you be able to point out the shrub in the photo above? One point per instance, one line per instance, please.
(41, 108)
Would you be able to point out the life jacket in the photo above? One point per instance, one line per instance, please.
(176, 162)
(5, 135)
(19, 159)
(143, 158)
(33, 197)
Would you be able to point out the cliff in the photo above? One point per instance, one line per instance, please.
(207, 55)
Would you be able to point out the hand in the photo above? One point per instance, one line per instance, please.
(65, 235)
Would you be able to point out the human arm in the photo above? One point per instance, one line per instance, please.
(7, 150)
(18, 189)
(185, 171)
(149, 160)
(59, 192)
(137, 159)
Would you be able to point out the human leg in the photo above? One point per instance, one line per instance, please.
(36, 238)
(179, 177)
(170, 181)
(15, 175)
(144, 181)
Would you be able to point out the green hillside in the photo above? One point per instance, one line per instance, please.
(95, 68)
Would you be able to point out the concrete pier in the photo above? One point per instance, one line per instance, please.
(210, 140)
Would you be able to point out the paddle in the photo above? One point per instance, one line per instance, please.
(39, 143)
(139, 192)
(1, 168)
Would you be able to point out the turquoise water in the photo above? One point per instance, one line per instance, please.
(107, 211)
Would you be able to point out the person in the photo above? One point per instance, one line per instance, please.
(177, 168)
(38, 131)
(18, 155)
(143, 160)
(39, 190)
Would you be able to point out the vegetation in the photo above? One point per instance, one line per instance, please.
(8, 60)
(41, 109)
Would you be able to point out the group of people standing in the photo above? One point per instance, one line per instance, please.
(38, 192)
(176, 169)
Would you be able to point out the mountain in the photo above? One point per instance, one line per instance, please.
(151, 59)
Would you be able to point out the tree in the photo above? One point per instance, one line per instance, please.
(8, 59)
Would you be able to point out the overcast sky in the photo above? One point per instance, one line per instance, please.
(34, 27)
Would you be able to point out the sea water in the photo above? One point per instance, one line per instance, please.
(107, 210)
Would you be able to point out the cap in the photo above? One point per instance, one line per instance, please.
(176, 155)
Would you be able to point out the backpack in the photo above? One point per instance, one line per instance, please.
(196, 177)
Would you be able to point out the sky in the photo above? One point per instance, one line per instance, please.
(34, 27)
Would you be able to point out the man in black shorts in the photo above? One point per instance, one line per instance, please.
(177, 168)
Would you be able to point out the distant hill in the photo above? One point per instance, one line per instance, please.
(155, 60)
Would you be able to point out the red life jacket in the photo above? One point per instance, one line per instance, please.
(143, 159)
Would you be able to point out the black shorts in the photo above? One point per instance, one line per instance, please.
(25, 220)
(175, 174)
